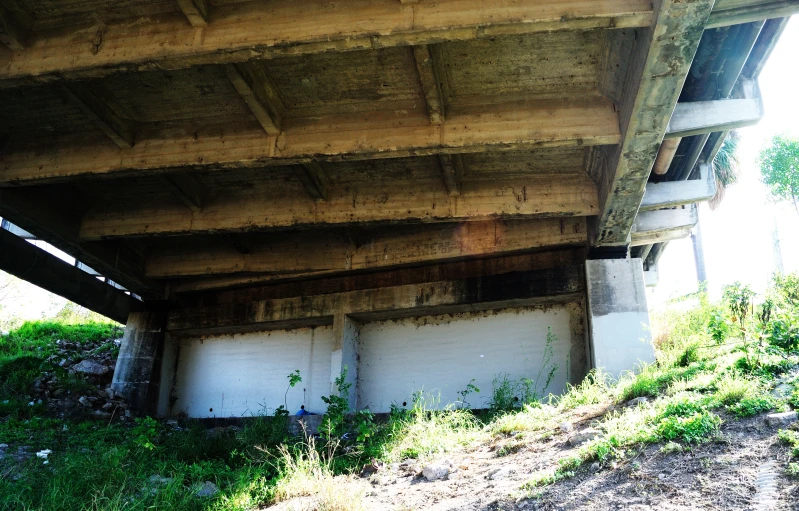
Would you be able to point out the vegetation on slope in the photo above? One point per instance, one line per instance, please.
(716, 363)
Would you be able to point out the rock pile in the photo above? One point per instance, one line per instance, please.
(84, 386)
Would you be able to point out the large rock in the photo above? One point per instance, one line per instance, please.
(781, 419)
(437, 470)
(584, 436)
(91, 367)
(637, 401)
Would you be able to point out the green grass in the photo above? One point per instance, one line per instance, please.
(39, 337)
(693, 388)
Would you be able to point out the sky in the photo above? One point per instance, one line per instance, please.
(738, 237)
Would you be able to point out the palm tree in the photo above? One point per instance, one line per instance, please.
(726, 167)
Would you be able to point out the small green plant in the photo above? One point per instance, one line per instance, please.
(365, 427)
(333, 422)
(739, 299)
(294, 379)
(752, 405)
(643, 384)
(565, 470)
(503, 390)
(594, 389)
(509, 394)
(145, 432)
(791, 438)
(717, 327)
(689, 355)
(733, 387)
(696, 428)
(471, 388)
(793, 469)
(783, 330)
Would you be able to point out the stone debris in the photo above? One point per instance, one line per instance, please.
(566, 427)
(157, 479)
(370, 468)
(637, 401)
(781, 419)
(88, 366)
(91, 362)
(207, 490)
(584, 436)
(437, 470)
(501, 473)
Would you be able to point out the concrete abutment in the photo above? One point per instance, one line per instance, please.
(618, 316)
(393, 341)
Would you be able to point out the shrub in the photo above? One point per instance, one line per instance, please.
(643, 384)
(689, 355)
(717, 327)
(752, 405)
(739, 299)
(791, 438)
(783, 330)
(695, 428)
(733, 387)
(786, 289)
(595, 388)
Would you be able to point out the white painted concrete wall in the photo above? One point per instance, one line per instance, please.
(246, 374)
(441, 354)
(618, 315)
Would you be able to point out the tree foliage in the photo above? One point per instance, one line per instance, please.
(726, 167)
(779, 169)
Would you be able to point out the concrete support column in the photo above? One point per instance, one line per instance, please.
(617, 314)
(138, 371)
(346, 332)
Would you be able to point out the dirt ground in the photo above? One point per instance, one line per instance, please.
(720, 475)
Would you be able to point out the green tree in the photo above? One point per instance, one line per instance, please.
(779, 169)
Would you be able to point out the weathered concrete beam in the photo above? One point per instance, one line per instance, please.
(651, 276)
(660, 61)
(314, 179)
(736, 12)
(698, 117)
(477, 293)
(196, 11)
(504, 126)
(15, 25)
(321, 253)
(41, 216)
(203, 291)
(663, 225)
(32, 264)
(520, 199)
(191, 193)
(104, 111)
(256, 89)
(678, 193)
(239, 32)
(433, 79)
(452, 170)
